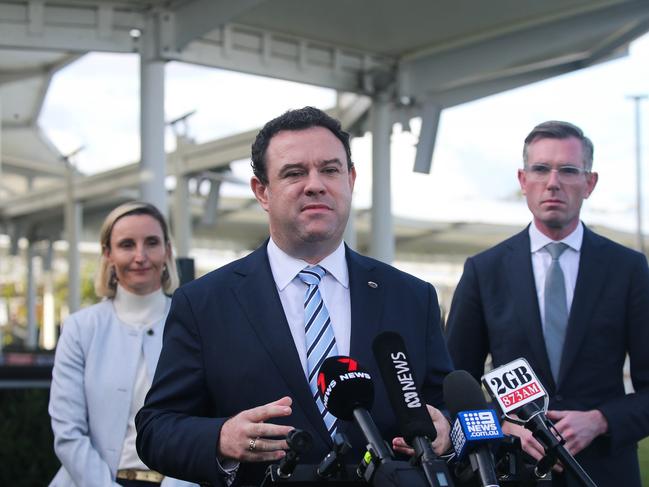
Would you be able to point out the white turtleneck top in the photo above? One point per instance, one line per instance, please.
(141, 313)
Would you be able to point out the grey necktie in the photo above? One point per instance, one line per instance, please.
(556, 309)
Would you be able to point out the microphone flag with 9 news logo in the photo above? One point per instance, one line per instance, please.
(474, 427)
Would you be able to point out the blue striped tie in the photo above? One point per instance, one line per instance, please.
(320, 339)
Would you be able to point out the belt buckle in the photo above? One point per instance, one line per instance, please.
(143, 475)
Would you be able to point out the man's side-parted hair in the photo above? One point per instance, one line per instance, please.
(300, 119)
(555, 129)
(105, 285)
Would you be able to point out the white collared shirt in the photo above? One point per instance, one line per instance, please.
(568, 261)
(334, 289)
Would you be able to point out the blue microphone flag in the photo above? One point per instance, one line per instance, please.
(473, 428)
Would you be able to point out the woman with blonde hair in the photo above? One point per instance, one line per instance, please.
(107, 354)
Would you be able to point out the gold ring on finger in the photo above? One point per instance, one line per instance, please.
(252, 443)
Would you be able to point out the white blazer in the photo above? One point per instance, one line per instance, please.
(90, 398)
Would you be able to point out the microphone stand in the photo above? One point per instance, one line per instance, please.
(544, 466)
(299, 441)
(513, 471)
(435, 470)
(333, 462)
(542, 430)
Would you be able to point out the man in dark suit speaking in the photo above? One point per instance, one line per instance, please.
(243, 344)
(571, 302)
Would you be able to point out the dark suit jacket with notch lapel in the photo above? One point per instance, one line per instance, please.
(495, 310)
(227, 347)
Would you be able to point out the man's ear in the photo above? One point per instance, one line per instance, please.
(593, 177)
(260, 190)
(352, 177)
(522, 180)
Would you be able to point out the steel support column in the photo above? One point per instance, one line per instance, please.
(1, 188)
(152, 120)
(48, 340)
(30, 294)
(182, 223)
(382, 234)
(73, 222)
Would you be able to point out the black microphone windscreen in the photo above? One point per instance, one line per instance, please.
(399, 379)
(463, 393)
(345, 385)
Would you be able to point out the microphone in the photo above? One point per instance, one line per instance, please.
(475, 425)
(347, 391)
(412, 414)
(299, 441)
(519, 392)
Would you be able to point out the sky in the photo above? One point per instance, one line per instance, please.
(94, 103)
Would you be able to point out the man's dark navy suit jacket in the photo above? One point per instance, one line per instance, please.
(495, 310)
(227, 347)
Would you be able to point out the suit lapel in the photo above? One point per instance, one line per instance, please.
(366, 295)
(366, 311)
(257, 294)
(524, 296)
(591, 278)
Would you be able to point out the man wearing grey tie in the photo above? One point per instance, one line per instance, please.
(238, 367)
(571, 302)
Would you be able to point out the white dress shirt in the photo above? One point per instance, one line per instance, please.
(568, 261)
(334, 289)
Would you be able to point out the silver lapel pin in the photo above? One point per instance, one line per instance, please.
(372, 284)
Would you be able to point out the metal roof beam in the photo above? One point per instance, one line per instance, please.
(221, 152)
(617, 44)
(75, 27)
(430, 114)
(87, 188)
(196, 18)
(196, 160)
(265, 53)
(522, 49)
(20, 165)
(22, 74)
(467, 93)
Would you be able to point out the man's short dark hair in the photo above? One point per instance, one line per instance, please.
(300, 119)
(554, 129)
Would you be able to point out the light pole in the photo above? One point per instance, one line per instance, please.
(638, 165)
